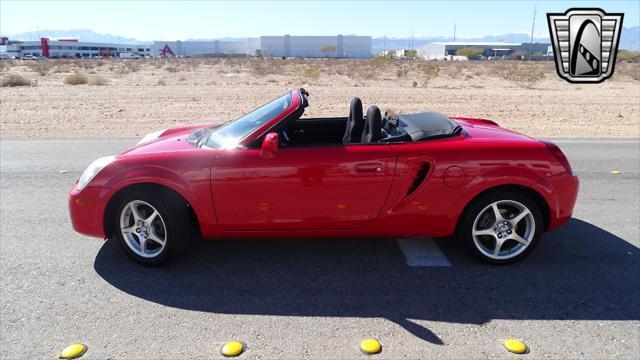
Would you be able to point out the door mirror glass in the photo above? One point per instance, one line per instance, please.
(269, 147)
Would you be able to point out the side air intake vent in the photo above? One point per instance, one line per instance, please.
(419, 178)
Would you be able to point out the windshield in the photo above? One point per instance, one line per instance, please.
(229, 135)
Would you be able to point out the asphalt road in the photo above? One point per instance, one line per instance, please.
(577, 295)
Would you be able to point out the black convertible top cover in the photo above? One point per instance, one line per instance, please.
(428, 125)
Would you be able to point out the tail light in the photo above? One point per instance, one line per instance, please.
(559, 155)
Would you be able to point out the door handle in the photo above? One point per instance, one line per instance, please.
(370, 167)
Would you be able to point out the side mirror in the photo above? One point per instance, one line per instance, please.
(269, 147)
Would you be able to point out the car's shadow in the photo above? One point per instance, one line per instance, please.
(579, 272)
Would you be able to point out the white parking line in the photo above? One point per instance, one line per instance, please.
(423, 252)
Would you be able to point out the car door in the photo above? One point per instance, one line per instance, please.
(322, 187)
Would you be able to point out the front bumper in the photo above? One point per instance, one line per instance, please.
(86, 209)
(566, 193)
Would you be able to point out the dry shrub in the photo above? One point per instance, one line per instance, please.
(41, 67)
(628, 56)
(453, 69)
(98, 80)
(629, 69)
(122, 70)
(428, 71)
(83, 63)
(75, 79)
(310, 73)
(133, 66)
(263, 67)
(524, 76)
(367, 70)
(12, 80)
(402, 73)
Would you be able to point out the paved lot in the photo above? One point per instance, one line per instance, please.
(577, 295)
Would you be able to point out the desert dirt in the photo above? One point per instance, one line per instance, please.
(141, 96)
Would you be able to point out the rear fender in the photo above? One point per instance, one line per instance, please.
(507, 176)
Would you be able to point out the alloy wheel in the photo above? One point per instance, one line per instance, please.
(143, 229)
(503, 229)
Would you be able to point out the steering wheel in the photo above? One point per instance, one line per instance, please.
(284, 137)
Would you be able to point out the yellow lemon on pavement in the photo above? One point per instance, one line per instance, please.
(515, 346)
(73, 351)
(370, 346)
(232, 348)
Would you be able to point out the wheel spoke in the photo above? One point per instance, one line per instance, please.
(519, 239)
(143, 244)
(520, 216)
(496, 212)
(134, 211)
(153, 236)
(489, 232)
(151, 217)
(129, 229)
(499, 243)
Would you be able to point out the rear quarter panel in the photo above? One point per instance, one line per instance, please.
(460, 168)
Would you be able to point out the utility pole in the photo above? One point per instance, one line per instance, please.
(454, 32)
(384, 44)
(532, 27)
(411, 39)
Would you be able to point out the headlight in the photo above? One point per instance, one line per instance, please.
(92, 170)
(151, 136)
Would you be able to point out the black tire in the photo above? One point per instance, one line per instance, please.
(479, 205)
(174, 215)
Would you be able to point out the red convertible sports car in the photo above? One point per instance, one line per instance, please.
(272, 173)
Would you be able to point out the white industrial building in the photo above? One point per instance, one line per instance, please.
(355, 47)
(449, 50)
(345, 46)
(340, 46)
(69, 48)
(191, 48)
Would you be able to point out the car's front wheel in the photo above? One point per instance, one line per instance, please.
(151, 229)
(501, 227)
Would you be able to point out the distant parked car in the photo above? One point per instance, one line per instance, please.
(272, 173)
(128, 55)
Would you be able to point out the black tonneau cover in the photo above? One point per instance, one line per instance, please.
(428, 125)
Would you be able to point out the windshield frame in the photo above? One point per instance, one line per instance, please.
(248, 138)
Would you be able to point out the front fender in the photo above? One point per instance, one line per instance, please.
(193, 186)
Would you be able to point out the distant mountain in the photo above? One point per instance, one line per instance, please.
(629, 38)
(80, 34)
(379, 44)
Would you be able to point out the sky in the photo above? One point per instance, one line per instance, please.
(180, 20)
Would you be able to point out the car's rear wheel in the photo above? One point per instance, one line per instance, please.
(501, 227)
(151, 229)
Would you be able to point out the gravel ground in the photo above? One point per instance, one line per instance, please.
(148, 95)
